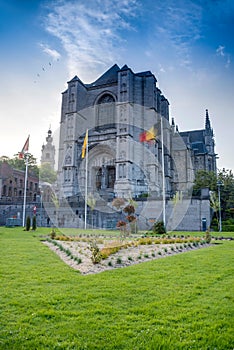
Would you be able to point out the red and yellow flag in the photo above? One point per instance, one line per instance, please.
(84, 145)
(149, 135)
(24, 149)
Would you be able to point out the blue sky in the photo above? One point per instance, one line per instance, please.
(187, 44)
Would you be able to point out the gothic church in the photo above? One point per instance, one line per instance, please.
(116, 109)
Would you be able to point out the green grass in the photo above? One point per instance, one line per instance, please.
(183, 301)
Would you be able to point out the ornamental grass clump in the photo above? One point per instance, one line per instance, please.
(208, 237)
(144, 241)
(53, 234)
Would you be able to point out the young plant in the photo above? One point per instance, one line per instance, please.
(28, 223)
(119, 261)
(96, 256)
(34, 223)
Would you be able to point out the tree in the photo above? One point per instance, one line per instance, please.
(47, 174)
(19, 164)
(204, 179)
(226, 192)
(209, 179)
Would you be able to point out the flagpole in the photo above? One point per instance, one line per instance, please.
(163, 175)
(25, 188)
(86, 182)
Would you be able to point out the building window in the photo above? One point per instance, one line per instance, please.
(110, 177)
(99, 179)
(67, 174)
(105, 116)
(122, 171)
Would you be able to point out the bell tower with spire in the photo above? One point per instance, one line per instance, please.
(48, 151)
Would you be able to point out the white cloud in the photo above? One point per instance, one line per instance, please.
(90, 33)
(180, 26)
(54, 54)
(220, 51)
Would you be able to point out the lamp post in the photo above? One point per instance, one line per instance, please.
(41, 195)
(219, 184)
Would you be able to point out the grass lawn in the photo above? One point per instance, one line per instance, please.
(183, 301)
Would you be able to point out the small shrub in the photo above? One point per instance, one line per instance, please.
(129, 209)
(159, 253)
(34, 223)
(78, 260)
(28, 223)
(52, 234)
(159, 228)
(165, 250)
(146, 255)
(153, 254)
(109, 263)
(96, 256)
(130, 258)
(208, 237)
(119, 261)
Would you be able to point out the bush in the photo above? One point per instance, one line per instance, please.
(228, 228)
(129, 209)
(34, 223)
(159, 228)
(119, 261)
(28, 223)
(96, 254)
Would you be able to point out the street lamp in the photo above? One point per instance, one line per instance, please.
(219, 184)
(41, 195)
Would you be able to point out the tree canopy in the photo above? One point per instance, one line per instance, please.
(47, 174)
(19, 164)
(209, 179)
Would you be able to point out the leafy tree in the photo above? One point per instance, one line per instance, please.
(19, 164)
(209, 179)
(204, 179)
(226, 192)
(214, 202)
(47, 174)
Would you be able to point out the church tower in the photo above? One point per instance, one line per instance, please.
(48, 151)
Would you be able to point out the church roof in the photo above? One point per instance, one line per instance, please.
(195, 139)
(109, 77)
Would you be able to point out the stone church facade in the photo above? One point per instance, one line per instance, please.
(116, 109)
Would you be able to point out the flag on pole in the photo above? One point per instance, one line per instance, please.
(24, 149)
(83, 153)
(149, 135)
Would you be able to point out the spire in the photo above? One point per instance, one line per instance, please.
(49, 137)
(207, 125)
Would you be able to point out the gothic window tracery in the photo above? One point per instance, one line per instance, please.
(105, 116)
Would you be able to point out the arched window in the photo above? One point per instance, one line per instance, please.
(105, 112)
